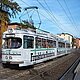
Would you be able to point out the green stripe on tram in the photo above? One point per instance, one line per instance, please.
(43, 49)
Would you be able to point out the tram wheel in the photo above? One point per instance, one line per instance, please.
(4, 65)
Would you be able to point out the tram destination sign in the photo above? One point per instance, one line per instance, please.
(9, 35)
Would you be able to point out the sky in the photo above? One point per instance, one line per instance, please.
(56, 16)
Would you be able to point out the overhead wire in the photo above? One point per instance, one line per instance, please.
(50, 10)
(25, 3)
(70, 14)
(24, 10)
(48, 19)
(50, 15)
(53, 14)
(39, 16)
(66, 14)
(38, 13)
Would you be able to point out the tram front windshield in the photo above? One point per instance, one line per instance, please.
(11, 43)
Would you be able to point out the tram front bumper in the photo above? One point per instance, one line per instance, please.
(13, 62)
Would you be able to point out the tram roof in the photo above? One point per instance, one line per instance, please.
(24, 31)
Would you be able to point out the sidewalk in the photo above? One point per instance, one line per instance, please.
(77, 73)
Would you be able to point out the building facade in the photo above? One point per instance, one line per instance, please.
(77, 43)
(14, 25)
(66, 36)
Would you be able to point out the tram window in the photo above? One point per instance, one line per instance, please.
(28, 42)
(43, 43)
(50, 44)
(68, 45)
(38, 42)
(61, 45)
(54, 44)
(12, 43)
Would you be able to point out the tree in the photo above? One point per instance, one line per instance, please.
(9, 8)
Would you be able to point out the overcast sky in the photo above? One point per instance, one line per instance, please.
(56, 16)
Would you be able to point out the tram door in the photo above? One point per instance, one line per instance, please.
(28, 45)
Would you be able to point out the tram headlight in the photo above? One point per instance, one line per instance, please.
(6, 57)
(10, 57)
(10, 30)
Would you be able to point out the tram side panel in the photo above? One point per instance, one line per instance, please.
(43, 52)
(68, 48)
(42, 55)
(61, 50)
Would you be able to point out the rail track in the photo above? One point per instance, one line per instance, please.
(69, 74)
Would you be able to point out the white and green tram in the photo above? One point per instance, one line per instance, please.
(24, 48)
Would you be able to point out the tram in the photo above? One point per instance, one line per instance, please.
(23, 47)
